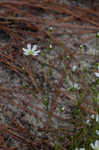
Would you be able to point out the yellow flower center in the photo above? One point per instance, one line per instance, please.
(31, 52)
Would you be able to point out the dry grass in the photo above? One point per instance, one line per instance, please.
(38, 95)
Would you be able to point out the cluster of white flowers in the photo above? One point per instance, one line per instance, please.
(93, 117)
(96, 145)
(34, 52)
(74, 68)
(31, 50)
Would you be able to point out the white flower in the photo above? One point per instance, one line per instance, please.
(97, 74)
(31, 51)
(97, 132)
(97, 34)
(74, 68)
(97, 118)
(50, 46)
(62, 109)
(51, 29)
(76, 86)
(87, 121)
(80, 149)
(92, 116)
(95, 146)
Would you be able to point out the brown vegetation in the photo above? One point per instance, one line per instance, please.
(28, 21)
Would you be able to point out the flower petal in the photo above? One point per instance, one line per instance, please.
(76, 86)
(87, 121)
(74, 68)
(92, 146)
(97, 144)
(92, 116)
(97, 132)
(98, 67)
(97, 118)
(24, 49)
(36, 53)
(29, 46)
(26, 53)
(34, 47)
(97, 74)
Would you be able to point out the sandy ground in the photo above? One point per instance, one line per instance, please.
(9, 79)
